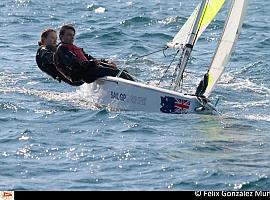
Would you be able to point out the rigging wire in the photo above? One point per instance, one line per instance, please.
(151, 53)
(176, 69)
(159, 50)
(164, 48)
(168, 67)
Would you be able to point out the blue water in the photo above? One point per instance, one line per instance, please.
(53, 139)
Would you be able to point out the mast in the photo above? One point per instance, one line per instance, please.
(189, 46)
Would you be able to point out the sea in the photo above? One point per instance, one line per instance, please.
(54, 139)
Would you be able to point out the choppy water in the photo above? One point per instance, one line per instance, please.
(52, 139)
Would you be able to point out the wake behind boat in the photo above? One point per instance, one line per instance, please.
(128, 95)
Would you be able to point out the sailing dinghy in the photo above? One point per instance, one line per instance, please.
(118, 93)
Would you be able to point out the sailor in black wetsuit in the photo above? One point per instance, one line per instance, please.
(76, 65)
(45, 57)
(202, 86)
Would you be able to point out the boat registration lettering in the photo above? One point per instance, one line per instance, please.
(128, 98)
(118, 96)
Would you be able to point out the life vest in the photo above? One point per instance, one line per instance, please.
(78, 52)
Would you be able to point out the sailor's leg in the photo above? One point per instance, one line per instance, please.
(94, 73)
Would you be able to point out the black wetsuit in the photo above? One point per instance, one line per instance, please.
(45, 62)
(202, 86)
(76, 65)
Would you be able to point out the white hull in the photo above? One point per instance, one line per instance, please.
(118, 93)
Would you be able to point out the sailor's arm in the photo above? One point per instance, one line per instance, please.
(103, 62)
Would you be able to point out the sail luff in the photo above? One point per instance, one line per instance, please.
(225, 47)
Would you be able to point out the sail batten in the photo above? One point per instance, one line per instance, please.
(225, 47)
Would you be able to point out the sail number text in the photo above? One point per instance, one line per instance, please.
(118, 96)
(128, 98)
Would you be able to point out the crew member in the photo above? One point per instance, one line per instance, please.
(76, 65)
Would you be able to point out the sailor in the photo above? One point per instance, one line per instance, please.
(202, 85)
(76, 65)
(45, 56)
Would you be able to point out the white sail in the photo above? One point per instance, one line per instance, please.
(182, 37)
(230, 34)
